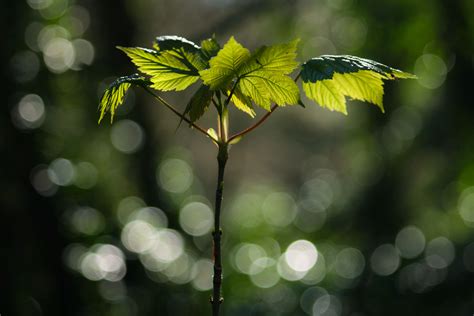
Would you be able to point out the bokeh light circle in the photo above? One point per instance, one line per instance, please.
(349, 263)
(301, 255)
(385, 260)
(439, 253)
(410, 242)
(175, 175)
(279, 209)
(127, 136)
(196, 218)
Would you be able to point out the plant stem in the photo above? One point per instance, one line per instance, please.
(175, 111)
(254, 126)
(217, 299)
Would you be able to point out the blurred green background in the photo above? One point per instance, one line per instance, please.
(326, 215)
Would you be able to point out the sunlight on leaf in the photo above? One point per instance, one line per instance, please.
(264, 77)
(114, 95)
(276, 58)
(327, 94)
(174, 69)
(242, 102)
(173, 42)
(265, 88)
(260, 78)
(364, 85)
(225, 65)
(328, 79)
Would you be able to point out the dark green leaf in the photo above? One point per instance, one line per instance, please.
(209, 48)
(328, 79)
(114, 95)
(325, 66)
(199, 103)
(172, 42)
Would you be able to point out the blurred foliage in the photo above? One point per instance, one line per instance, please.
(323, 214)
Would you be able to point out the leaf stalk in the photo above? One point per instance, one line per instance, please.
(216, 299)
(175, 111)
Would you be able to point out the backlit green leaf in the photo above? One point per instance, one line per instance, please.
(364, 85)
(173, 69)
(242, 102)
(264, 77)
(328, 79)
(225, 65)
(277, 58)
(327, 94)
(114, 95)
(265, 87)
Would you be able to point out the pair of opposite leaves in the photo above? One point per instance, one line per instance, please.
(260, 78)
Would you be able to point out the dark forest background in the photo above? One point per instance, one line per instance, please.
(115, 219)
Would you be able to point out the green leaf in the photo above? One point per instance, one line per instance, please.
(242, 102)
(264, 77)
(174, 69)
(265, 87)
(114, 95)
(327, 94)
(225, 65)
(209, 48)
(277, 58)
(328, 79)
(235, 140)
(364, 85)
(199, 103)
(212, 132)
(173, 42)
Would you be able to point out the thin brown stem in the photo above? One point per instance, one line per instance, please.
(254, 126)
(216, 298)
(297, 77)
(175, 111)
(263, 119)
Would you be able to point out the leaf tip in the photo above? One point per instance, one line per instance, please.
(232, 41)
(212, 134)
(296, 41)
(235, 140)
(398, 74)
